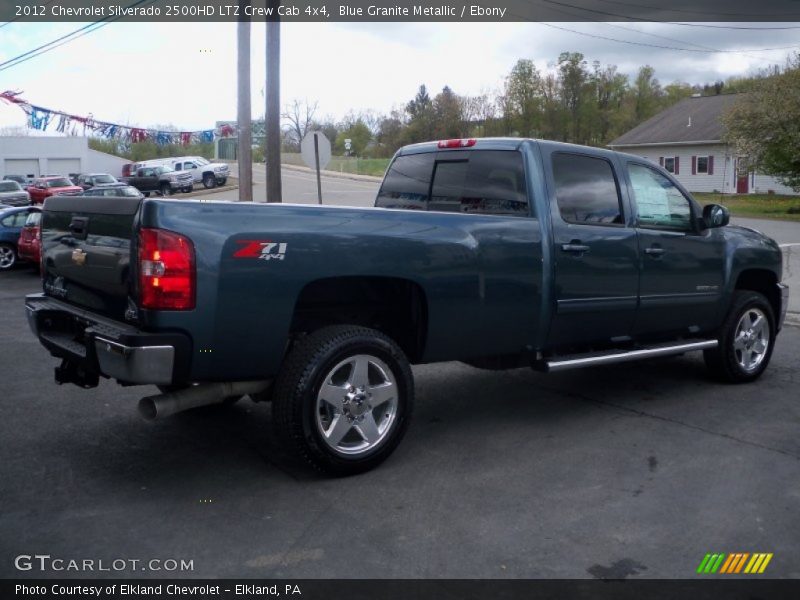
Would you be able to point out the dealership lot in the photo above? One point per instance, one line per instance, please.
(633, 470)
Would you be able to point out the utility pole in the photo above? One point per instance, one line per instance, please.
(244, 152)
(273, 113)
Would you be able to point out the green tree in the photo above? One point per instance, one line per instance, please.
(359, 135)
(523, 98)
(764, 125)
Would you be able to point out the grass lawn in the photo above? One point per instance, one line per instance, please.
(345, 164)
(760, 206)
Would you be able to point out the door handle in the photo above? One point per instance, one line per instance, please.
(654, 251)
(575, 246)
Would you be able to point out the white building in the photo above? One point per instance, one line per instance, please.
(32, 156)
(686, 139)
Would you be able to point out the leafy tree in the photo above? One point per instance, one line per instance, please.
(764, 125)
(523, 98)
(359, 135)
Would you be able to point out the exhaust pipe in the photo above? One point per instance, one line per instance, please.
(163, 405)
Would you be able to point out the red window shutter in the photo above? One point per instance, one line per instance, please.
(661, 160)
(710, 165)
(694, 165)
(677, 165)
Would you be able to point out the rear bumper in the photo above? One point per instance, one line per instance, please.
(100, 346)
(784, 291)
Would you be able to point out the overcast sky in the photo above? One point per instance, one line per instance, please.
(150, 74)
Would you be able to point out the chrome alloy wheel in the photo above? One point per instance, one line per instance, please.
(7, 257)
(751, 340)
(357, 404)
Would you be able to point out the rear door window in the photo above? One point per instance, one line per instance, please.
(586, 190)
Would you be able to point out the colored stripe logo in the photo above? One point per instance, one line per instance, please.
(737, 562)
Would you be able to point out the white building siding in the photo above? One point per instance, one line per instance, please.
(723, 178)
(40, 155)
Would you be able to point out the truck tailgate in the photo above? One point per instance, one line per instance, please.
(86, 251)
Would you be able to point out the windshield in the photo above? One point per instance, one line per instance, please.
(60, 182)
(201, 161)
(9, 186)
(104, 179)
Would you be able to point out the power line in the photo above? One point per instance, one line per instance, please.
(19, 17)
(44, 48)
(611, 14)
(697, 50)
(700, 12)
(709, 48)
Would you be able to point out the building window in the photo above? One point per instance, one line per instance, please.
(669, 164)
(702, 165)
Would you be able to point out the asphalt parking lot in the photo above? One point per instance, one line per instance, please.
(634, 470)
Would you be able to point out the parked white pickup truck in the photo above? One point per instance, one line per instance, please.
(208, 173)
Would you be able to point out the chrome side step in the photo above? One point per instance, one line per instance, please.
(591, 360)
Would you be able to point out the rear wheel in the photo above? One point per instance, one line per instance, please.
(746, 339)
(343, 399)
(8, 256)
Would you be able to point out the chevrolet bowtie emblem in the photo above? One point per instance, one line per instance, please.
(79, 257)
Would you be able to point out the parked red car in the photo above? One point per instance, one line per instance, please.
(30, 238)
(44, 187)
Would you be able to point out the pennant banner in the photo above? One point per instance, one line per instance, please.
(41, 118)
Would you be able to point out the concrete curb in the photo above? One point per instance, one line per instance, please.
(337, 174)
(792, 319)
(202, 191)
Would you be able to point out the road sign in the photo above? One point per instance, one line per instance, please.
(348, 144)
(307, 149)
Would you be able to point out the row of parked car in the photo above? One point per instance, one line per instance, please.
(21, 198)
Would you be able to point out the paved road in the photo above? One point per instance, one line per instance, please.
(301, 187)
(634, 470)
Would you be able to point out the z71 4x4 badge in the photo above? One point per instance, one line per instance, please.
(262, 249)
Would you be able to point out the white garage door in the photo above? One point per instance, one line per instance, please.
(21, 166)
(63, 166)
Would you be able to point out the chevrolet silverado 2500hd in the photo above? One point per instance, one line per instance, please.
(497, 252)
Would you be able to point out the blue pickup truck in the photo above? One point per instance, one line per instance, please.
(502, 253)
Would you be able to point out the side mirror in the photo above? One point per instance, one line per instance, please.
(715, 215)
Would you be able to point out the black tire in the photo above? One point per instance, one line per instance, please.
(296, 406)
(209, 181)
(146, 194)
(8, 257)
(165, 189)
(187, 189)
(728, 362)
(222, 181)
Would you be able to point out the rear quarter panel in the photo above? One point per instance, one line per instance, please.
(481, 275)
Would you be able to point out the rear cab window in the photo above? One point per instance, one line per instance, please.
(488, 182)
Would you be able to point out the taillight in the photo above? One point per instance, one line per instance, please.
(167, 273)
(460, 143)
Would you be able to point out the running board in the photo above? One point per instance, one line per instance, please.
(591, 360)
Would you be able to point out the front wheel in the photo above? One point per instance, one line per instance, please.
(209, 181)
(165, 189)
(746, 339)
(8, 257)
(343, 399)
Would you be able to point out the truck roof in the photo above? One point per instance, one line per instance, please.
(506, 143)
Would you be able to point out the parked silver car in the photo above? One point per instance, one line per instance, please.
(12, 194)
